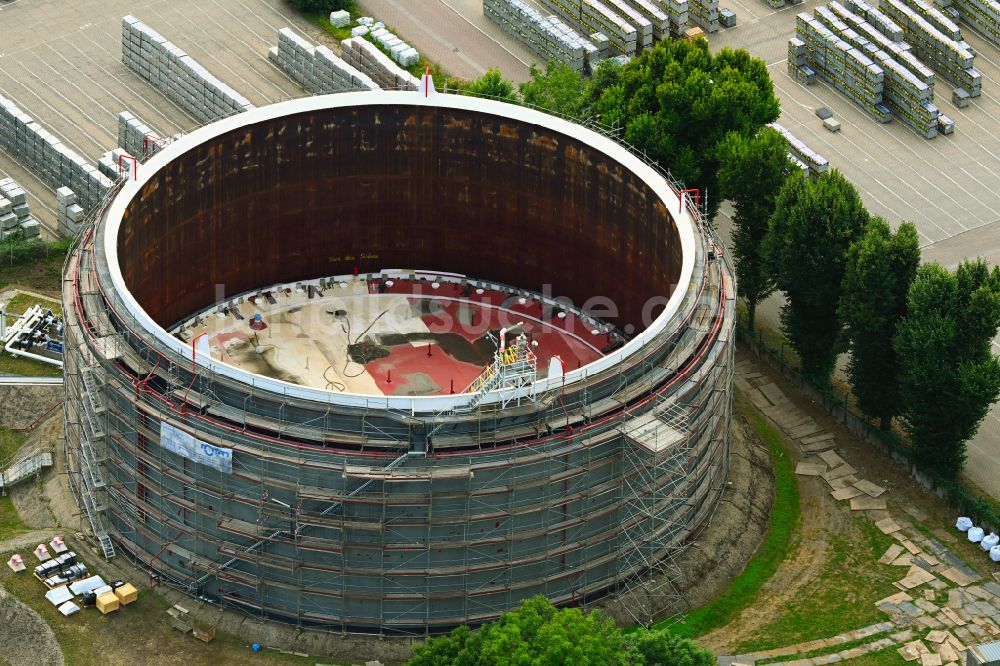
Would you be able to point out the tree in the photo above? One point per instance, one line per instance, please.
(535, 633)
(880, 268)
(751, 173)
(558, 88)
(492, 84)
(949, 375)
(677, 101)
(814, 224)
(321, 5)
(661, 648)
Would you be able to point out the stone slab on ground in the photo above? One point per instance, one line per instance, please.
(913, 548)
(832, 459)
(894, 551)
(904, 560)
(846, 493)
(773, 394)
(957, 577)
(931, 659)
(818, 439)
(886, 525)
(954, 599)
(867, 503)
(869, 488)
(914, 578)
(818, 447)
(839, 472)
(810, 468)
(842, 482)
(810, 427)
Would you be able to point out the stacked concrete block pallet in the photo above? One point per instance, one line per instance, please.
(15, 214)
(116, 164)
(43, 153)
(983, 16)
(594, 16)
(908, 98)
(705, 14)
(400, 51)
(936, 18)
(678, 12)
(644, 26)
(899, 50)
(366, 57)
(947, 56)
(177, 75)
(816, 163)
(317, 68)
(798, 67)
(69, 215)
(547, 36)
(138, 139)
(846, 68)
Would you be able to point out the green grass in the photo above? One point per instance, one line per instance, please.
(843, 596)
(15, 365)
(21, 302)
(138, 633)
(10, 443)
(43, 275)
(778, 541)
(10, 522)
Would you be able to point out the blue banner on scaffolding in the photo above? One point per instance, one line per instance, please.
(183, 444)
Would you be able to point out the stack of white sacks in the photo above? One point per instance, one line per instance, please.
(15, 214)
(401, 52)
(316, 68)
(367, 57)
(988, 542)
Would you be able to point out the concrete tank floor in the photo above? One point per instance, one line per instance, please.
(405, 339)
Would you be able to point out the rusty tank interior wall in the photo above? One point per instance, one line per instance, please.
(319, 193)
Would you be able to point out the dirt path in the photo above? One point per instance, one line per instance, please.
(819, 516)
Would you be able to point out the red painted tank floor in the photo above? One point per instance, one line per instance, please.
(457, 324)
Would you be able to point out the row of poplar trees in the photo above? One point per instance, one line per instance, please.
(918, 336)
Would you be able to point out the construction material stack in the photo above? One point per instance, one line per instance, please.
(983, 16)
(595, 16)
(400, 51)
(846, 68)
(368, 59)
(547, 36)
(15, 213)
(316, 68)
(643, 25)
(138, 139)
(801, 153)
(69, 215)
(908, 98)
(947, 56)
(705, 14)
(48, 157)
(177, 75)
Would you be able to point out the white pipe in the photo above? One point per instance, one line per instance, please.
(27, 320)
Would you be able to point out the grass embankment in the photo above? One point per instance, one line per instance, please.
(10, 522)
(777, 544)
(136, 634)
(843, 595)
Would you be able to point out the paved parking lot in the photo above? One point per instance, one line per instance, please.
(61, 63)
